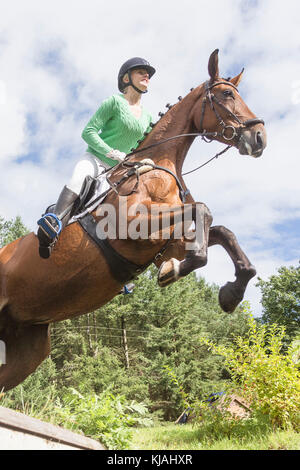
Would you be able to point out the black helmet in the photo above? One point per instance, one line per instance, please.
(134, 63)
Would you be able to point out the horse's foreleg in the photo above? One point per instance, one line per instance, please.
(194, 251)
(232, 293)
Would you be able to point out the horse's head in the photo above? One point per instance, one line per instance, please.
(223, 111)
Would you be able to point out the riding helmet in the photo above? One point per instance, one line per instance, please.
(134, 63)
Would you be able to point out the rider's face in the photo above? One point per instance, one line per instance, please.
(140, 78)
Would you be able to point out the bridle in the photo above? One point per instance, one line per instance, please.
(236, 132)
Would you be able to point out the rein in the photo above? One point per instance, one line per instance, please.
(209, 135)
(208, 161)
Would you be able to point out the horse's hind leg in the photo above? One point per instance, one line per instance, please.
(23, 349)
(232, 293)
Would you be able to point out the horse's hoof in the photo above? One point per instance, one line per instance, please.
(230, 296)
(168, 272)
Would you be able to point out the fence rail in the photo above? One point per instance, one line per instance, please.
(21, 432)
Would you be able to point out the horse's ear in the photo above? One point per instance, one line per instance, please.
(236, 80)
(213, 66)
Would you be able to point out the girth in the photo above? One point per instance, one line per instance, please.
(121, 268)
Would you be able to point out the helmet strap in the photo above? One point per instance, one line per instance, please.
(133, 86)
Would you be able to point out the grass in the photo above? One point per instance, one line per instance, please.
(189, 437)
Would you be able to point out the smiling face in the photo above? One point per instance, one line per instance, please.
(139, 77)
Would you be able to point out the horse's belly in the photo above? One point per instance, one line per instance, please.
(68, 284)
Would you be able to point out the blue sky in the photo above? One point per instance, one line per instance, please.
(58, 63)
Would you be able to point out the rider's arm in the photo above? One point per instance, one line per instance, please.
(90, 133)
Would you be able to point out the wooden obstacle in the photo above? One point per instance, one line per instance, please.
(21, 432)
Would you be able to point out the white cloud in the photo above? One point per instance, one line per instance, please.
(59, 59)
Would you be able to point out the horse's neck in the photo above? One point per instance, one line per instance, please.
(178, 120)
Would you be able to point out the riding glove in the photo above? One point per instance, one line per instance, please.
(116, 155)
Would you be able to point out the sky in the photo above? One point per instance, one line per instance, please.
(59, 60)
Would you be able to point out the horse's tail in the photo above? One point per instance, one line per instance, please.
(22, 347)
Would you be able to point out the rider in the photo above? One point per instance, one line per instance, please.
(122, 122)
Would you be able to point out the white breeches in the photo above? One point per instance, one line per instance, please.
(88, 164)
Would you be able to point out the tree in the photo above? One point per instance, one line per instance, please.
(263, 374)
(281, 299)
(12, 229)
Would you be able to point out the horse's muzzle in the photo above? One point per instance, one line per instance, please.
(253, 141)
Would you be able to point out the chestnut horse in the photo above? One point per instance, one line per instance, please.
(77, 278)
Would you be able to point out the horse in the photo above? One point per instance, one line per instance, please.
(80, 277)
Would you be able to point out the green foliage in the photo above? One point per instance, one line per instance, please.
(294, 350)
(266, 377)
(36, 394)
(106, 417)
(175, 382)
(10, 230)
(281, 299)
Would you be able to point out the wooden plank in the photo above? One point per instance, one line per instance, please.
(14, 420)
(11, 439)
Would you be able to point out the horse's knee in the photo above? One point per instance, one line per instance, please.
(206, 213)
(222, 232)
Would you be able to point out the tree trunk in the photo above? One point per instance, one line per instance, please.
(125, 345)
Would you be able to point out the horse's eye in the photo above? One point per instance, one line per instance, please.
(228, 93)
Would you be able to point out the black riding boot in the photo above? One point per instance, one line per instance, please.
(52, 223)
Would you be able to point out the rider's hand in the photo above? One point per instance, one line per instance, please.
(116, 155)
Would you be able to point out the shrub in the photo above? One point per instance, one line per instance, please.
(35, 396)
(262, 374)
(105, 417)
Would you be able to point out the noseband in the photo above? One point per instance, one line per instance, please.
(212, 100)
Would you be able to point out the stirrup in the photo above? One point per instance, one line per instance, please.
(46, 225)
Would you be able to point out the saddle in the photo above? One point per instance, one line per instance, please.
(121, 269)
(88, 190)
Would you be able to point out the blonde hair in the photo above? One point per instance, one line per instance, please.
(126, 88)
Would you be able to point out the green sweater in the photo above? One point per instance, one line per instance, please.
(120, 129)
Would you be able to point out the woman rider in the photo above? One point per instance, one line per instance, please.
(122, 122)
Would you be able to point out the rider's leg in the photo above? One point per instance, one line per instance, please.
(87, 165)
(50, 226)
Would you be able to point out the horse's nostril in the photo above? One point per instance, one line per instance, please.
(259, 139)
